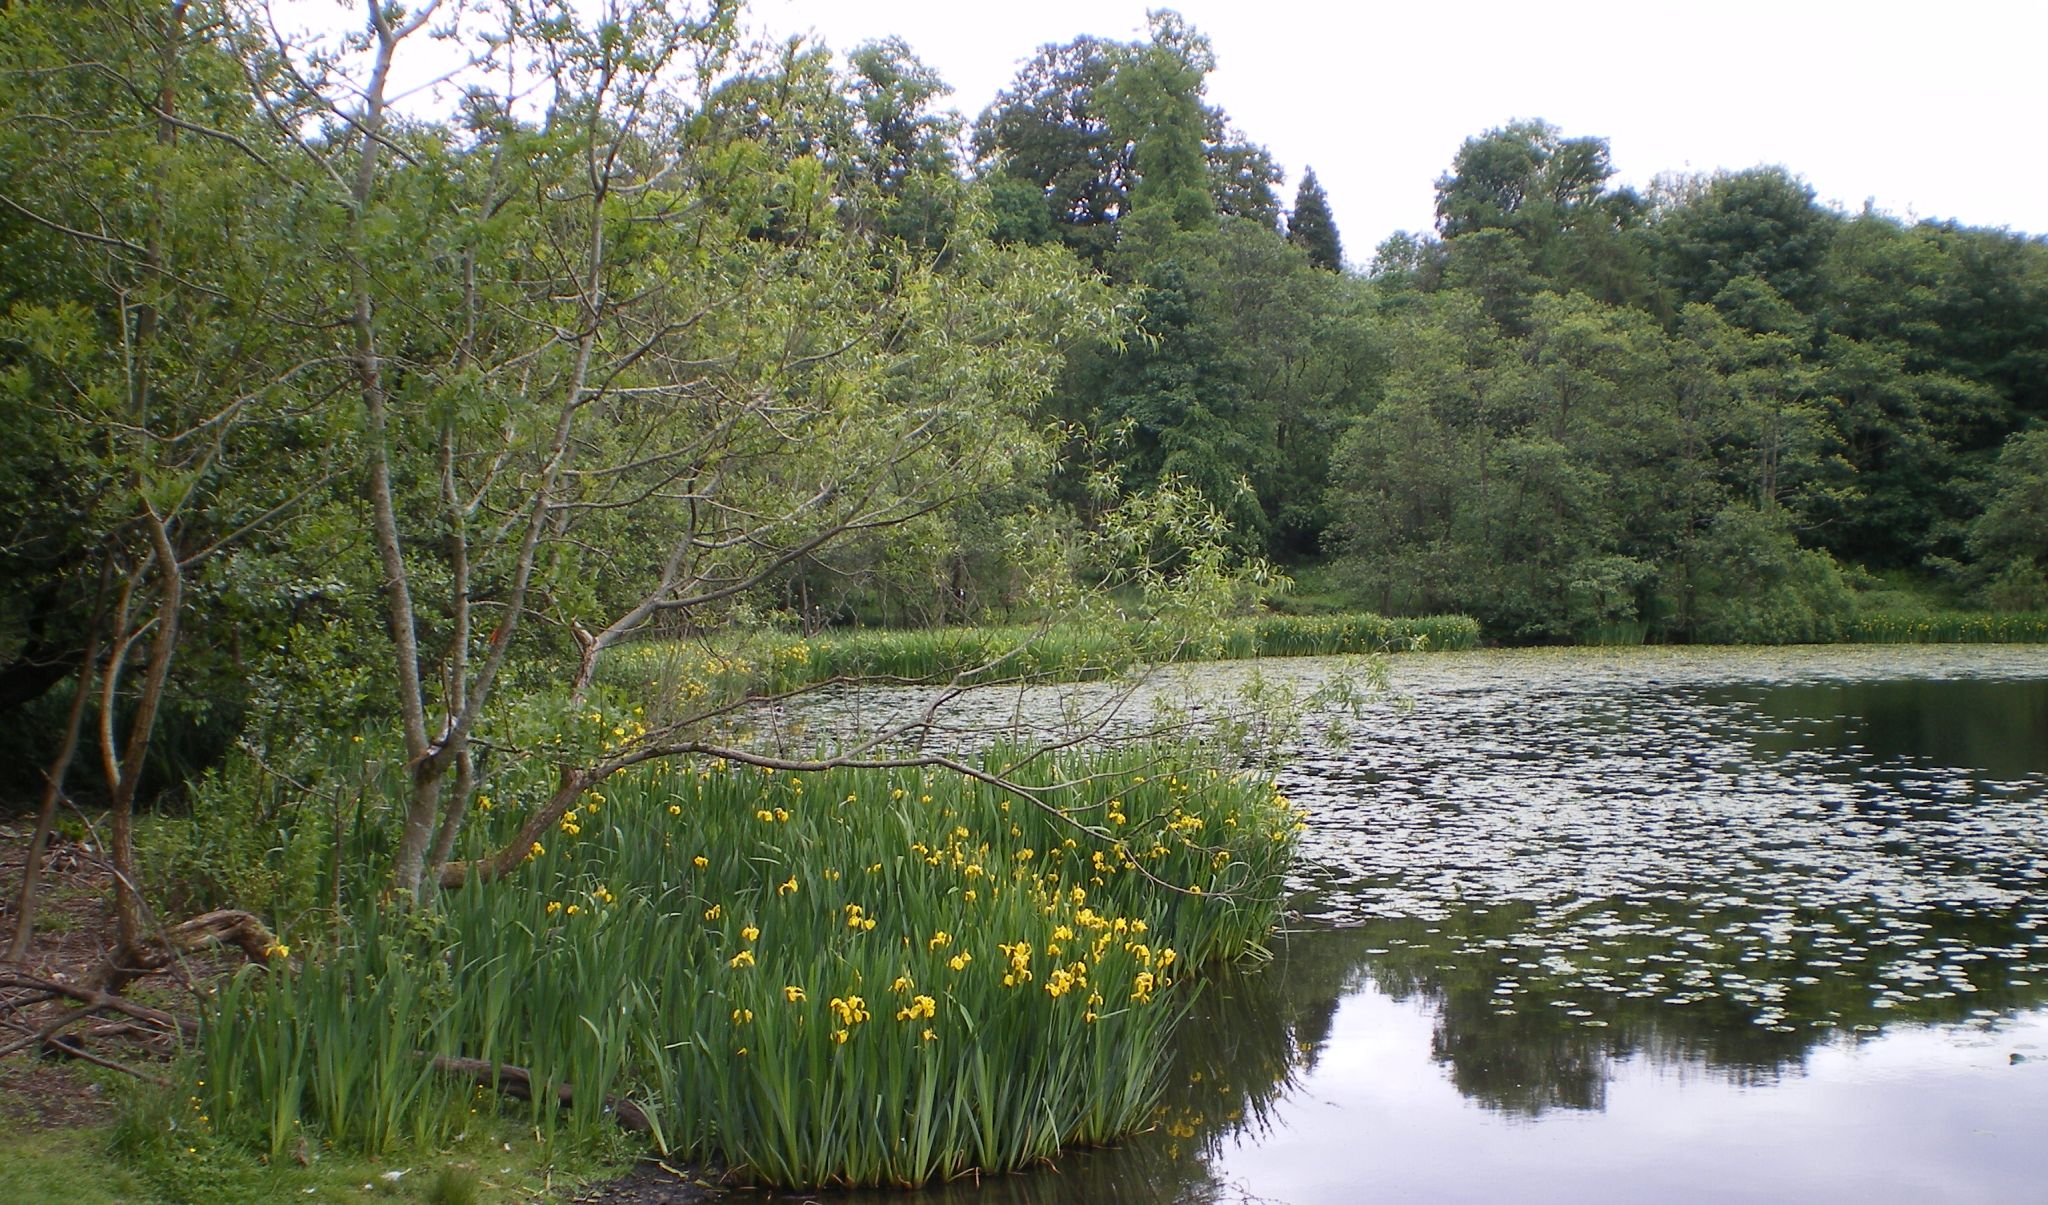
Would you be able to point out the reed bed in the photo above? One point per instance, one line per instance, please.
(847, 978)
(1951, 627)
(1058, 653)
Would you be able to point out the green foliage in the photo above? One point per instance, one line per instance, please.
(1154, 100)
(1763, 223)
(1543, 199)
(1753, 584)
(1243, 363)
(287, 842)
(755, 957)
(1951, 627)
(1049, 132)
(1101, 131)
(2011, 534)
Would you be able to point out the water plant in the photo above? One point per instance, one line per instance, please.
(1049, 653)
(1951, 627)
(853, 977)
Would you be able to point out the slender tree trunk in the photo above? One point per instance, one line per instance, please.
(369, 369)
(53, 793)
(121, 803)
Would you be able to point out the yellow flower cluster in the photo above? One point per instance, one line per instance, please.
(850, 1011)
(1065, 979)
(1020, 963)
(919, 1008)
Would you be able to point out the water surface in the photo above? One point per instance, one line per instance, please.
(1638, 925)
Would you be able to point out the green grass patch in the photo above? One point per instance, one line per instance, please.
(167, 1150)
(856, 977)
(67, 1165)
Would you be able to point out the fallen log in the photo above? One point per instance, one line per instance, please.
(225, 927)
(517, 1082)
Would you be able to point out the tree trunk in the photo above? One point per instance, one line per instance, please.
(53, 792)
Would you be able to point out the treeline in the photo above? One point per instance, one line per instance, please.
(1574, 411)
(1701, 411)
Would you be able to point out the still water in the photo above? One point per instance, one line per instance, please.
(1647, 925)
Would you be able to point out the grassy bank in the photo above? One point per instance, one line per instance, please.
(860, 977)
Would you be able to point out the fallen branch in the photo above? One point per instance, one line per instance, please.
(98, 1000)
(48, 1033)
(75, 1050)
(226, 927)
(48, 1030)
(517, 1082)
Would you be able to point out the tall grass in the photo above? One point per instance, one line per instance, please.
(1058, 653)
(1912, 626)
(858, 977)
(1951, 627)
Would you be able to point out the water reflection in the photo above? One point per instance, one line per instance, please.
(1534, 1008)
(1996, 728)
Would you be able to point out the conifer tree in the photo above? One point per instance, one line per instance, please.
(1311, 227)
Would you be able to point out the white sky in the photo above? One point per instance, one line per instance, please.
(1932, 110)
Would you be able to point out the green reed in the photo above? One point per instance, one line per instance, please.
(854, 977)
(1951, 627)
(1060, 653)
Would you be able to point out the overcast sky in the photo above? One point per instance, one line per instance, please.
(1930, 110)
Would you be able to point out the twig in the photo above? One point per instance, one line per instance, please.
(80, 1052)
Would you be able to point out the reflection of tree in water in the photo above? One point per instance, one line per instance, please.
(1534, 1011)
(1996, 727)
(1688, 979)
